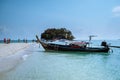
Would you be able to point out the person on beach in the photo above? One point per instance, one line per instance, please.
(4, 40)
(8, 40)
(26, 41)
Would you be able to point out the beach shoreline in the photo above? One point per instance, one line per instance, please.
(12, 54)
(12, 48)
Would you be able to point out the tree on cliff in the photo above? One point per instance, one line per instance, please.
(53, 33)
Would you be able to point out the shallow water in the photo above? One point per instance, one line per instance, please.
(41, 65)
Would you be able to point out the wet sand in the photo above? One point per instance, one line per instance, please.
(12, 48)
(12, 54)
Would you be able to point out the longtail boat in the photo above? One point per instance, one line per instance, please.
(71, 47)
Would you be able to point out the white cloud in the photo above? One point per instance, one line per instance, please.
(116, 11)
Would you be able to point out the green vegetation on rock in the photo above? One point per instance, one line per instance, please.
(53, 33)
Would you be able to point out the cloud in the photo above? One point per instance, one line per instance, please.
(116, 11)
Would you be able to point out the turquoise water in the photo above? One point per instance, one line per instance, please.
(41, 65)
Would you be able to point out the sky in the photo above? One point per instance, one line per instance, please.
(21, 19)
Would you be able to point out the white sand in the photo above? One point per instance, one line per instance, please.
(12, 48)
(12, 54)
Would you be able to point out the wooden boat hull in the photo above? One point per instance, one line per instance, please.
(54, 47)
(58, 47)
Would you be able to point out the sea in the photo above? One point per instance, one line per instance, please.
(37, 64)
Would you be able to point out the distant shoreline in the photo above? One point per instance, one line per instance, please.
(16, 41)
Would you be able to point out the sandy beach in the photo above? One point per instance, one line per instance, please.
(12, 48)
(12, 54)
